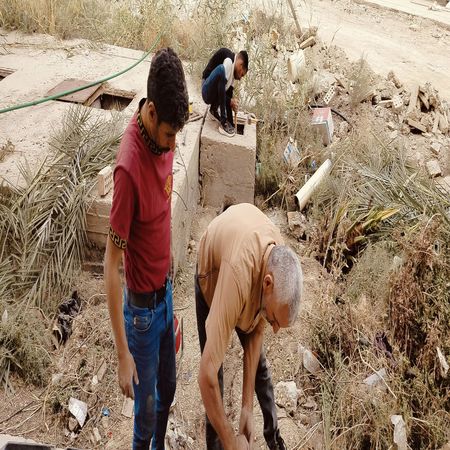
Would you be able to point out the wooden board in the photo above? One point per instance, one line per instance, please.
(77, 97)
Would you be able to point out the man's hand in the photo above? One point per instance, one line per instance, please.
(127, 372)
(246, 425)
(242, 443)
(234, 103)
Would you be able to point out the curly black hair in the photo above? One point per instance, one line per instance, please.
(166, 88)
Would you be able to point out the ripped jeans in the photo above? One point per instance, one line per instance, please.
(151, 341)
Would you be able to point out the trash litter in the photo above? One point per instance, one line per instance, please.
(443, 362)
(67, 310)
(5, 316)
(291, 155)
(295, 64)
(399, 432)
(382, 346)
(106, 411)
(78, 409)
(323, 121)
(127, 407)
(96, 436)
(376, 378)
(310, 362)
(304, 194)
(56, 378)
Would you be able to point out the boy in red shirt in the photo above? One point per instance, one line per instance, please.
(140, 228)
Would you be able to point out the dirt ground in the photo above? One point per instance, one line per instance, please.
(416, 49)
(91, 342)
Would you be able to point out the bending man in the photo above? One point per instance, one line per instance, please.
(245, 277)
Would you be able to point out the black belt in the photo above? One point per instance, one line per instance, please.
(148, 300)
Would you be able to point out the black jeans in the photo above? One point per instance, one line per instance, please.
(263, 381)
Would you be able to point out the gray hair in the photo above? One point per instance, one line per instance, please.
(287, 275)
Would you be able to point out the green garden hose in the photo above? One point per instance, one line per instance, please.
(94, 83)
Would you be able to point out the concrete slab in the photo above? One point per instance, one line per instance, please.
(29, 129)
(20, 443)
(227, 165)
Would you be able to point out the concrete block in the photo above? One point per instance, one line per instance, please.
(227, 165)
(397, 103)
(433, 168)
(417, 125)
(436, 122)
(329, 95)
(413, 99)
(443, 123)
(97, 219)
(186, 192)
(435, 147)
(444, 184)
(308, 43)
(104, 181)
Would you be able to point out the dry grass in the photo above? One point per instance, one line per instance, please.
(126, 23)
(6, 149)
(361, 82)
(373, 208)
(43, 235)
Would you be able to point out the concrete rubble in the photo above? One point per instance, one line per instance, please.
(286, 395)
(434, 168)
(176, 437)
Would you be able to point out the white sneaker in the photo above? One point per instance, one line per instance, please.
(227, 129)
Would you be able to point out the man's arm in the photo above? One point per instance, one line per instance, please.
(127, 367)
(210, 391)
(222, 318)
(252, 351)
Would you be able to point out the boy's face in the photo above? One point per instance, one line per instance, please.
(162, 132)
(239, 70)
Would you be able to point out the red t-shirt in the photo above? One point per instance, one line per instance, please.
(141, 211)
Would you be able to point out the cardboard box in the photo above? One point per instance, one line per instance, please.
(323, 122)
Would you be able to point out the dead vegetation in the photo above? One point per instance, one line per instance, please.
(43, 239)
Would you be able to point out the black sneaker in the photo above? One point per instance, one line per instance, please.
(213, 114)
(278, 444)
(226, 129)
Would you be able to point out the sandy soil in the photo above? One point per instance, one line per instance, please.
(92, 341)
(415, 48)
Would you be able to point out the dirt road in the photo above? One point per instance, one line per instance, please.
(415, 48)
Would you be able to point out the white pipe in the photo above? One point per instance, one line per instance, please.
(295, 64)
(304, 194)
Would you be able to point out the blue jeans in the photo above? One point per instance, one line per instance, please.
(151, 341)
(213, 91)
